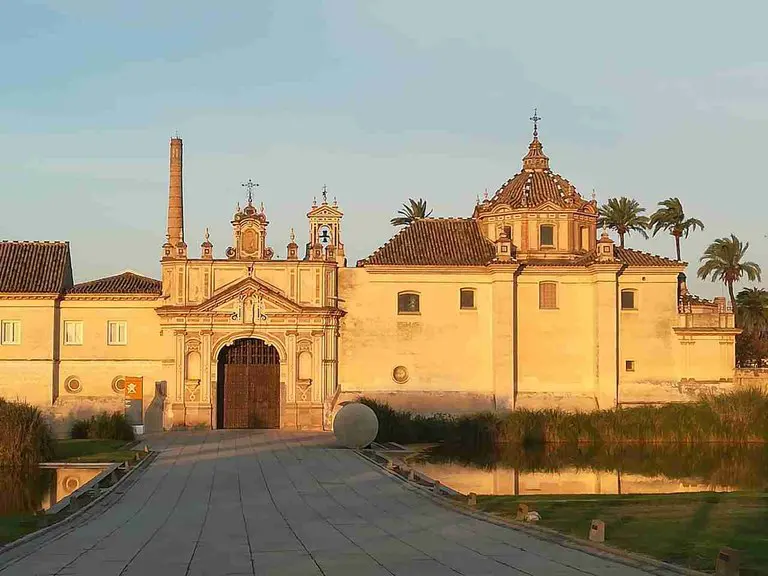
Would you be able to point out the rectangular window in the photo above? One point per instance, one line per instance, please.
(630, 365)
(547, 235)
(117, 333)
(10, 332)
(627, 299)
(467, 299)
(548, 295)
(73, 332)
(407, 303)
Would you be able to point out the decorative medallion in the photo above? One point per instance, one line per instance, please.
(73, 385)
(118, 385)
(400, 374)
(70, 484)
(304, 390)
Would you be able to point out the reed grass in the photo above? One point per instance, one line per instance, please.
(104, 426)
(736, 417)
(25, 436)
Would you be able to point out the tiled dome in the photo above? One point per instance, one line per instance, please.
(536, 184)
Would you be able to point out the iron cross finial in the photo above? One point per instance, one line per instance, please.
(250, 185)
(535, 119)
(325, 194)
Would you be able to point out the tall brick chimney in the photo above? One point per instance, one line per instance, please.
(175, 196)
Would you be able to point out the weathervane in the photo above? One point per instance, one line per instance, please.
(535, 119)
(325, 194)
(250, 185)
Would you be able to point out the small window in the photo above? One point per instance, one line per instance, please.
(467, 299)
(548, 295)
(73, 332)
(10, 332)
(407, 303)
(547, 235)
(629, 365)
(628, 300)
(117, 333)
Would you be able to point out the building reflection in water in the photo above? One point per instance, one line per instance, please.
(510, 481)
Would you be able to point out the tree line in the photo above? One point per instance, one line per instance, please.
(724, 260)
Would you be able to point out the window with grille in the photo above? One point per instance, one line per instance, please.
(73, 332)
(628, 300)
(548, 295)
(117, 333)
(467, 298)
(10, 332)
(547, 235)
(407, 303)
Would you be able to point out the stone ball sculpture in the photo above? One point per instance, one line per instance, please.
(355, 425)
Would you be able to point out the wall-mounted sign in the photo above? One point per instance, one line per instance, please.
(134, 400)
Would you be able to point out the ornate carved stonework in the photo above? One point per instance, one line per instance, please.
(192, 391)
(193, 345)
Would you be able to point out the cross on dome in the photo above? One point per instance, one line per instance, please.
(535, 119)
(250, 185)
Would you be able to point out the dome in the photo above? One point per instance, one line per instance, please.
(535, 185)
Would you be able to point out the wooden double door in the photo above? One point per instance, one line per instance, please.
(250, 393)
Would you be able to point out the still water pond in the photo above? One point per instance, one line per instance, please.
(552, 469)
(26, 492)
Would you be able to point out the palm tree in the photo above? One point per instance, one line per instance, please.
(414, 210)
(752, 311)
(624, 216)
(670, 217)
(722, 260)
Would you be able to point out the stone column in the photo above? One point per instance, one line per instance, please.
(291, 368)
(318, 387)
(180, 362)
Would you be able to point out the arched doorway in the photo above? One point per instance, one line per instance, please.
(248, 385)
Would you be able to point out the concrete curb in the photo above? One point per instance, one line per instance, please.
(630, 559)
(78, 513)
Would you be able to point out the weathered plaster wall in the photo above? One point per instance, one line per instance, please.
(27, 369)
(556, 358)
(445, 349)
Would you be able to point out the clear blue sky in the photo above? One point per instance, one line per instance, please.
(381, 101)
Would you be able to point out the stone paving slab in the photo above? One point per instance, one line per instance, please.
(271, 502)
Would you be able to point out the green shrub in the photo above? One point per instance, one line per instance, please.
(103, 426)
(736, 417)
(25, 436)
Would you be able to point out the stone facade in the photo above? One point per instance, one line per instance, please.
(523, 304)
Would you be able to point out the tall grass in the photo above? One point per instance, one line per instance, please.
(735, 417)
(25, 437)
(103, 426)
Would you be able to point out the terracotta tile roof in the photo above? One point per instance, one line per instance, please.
(624, 255)
(35, 267)
(125, 283)
(435, 242)
(638, 258)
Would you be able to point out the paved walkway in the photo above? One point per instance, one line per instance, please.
(268, 502)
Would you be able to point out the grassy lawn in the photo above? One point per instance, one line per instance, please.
(683, 529)
(14, 527)
(92, 451)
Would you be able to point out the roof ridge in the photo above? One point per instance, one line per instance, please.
(44, 242)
